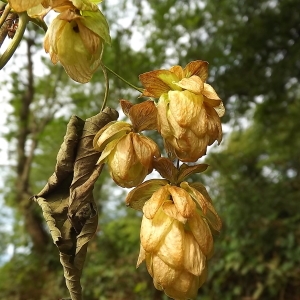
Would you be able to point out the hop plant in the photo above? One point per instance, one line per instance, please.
(75, 38)
(176, 236)
(189, 109)
(179, 218)
(126, 151)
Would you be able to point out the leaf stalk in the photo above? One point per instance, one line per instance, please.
(124, 80)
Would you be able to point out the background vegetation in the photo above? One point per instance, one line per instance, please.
(254, 176)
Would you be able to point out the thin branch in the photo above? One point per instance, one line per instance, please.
(5, 57)
(6, 26)
(4, 14)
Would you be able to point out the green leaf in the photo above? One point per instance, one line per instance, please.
(95, 21)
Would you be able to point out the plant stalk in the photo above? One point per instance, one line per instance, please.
(4, 14)
(106, 86)
(5, 57)
(124, 80)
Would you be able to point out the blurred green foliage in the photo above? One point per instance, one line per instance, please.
(254, 176)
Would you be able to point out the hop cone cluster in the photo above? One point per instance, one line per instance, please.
(178, 217)
(176, 240)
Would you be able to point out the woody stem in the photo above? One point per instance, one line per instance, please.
(4, 14)
(5, 57)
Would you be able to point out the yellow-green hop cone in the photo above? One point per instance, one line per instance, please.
(76, 40)
(129, 155)
(176, 241)
(189, 109)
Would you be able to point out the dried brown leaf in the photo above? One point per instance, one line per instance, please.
(186, 170)
(165, 168)
(67, 199)
(66, 155)
(85, 165)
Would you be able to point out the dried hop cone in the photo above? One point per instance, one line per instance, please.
(76, 37)
(176, 237)
(128, 154)
(189, 109)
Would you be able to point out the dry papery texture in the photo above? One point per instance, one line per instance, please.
(67, 199)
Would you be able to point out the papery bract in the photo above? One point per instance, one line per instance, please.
(76, 40)
(189, 109)
(129, 157)
(143, 116)
(176, 240)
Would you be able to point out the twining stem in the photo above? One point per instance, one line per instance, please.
(39, 22)
(5, 57)
(5, 14)
(124, 80)
(106, 86)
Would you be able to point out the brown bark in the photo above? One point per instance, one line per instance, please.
(7, 26)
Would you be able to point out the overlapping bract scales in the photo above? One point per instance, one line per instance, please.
(75, 38)
(189, 109)
(176, 237)
(128, 154)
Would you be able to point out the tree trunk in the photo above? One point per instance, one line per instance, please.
(27, 142)
(33, 222)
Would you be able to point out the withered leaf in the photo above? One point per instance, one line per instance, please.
(65, 156)
(126, 105)
(143, 116)
(85, 164)
(186, 170)
(67, 199)
(165, 168)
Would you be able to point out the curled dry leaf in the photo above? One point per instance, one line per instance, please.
(186, 170)
(165, 168)
(65, 156)
(85, 170)
(67, 199)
